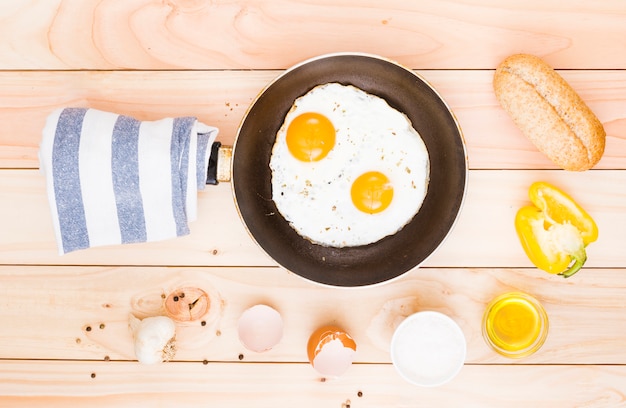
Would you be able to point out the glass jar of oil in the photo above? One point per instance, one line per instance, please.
(515, 324)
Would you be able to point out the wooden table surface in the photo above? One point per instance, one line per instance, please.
(64, 339)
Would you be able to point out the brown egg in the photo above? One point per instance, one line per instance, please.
(331, 351)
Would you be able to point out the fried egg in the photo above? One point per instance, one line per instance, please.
(347, 168)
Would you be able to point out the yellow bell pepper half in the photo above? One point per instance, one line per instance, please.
(555, 230)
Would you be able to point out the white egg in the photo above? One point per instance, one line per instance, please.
(260, 328)
(370, 136)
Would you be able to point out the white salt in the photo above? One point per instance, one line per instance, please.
(428, 348)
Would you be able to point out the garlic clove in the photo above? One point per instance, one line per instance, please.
(155, 338)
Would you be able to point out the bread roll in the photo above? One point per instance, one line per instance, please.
(549, 112)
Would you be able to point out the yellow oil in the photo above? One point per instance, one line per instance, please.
(515, 324)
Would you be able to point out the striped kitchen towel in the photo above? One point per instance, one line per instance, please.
(112, 179)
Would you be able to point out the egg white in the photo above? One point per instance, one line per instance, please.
(314, 197)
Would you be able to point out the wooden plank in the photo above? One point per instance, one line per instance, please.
(197, 34)
(65, 340)
(74, 313)
(221, 98)
(484, 235)
(216, 98)
(70, 384)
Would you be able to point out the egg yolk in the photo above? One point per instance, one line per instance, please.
(310, 136)
(371, 192)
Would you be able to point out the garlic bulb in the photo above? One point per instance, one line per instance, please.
(155, 339)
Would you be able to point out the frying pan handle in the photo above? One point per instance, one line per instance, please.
(219, 163)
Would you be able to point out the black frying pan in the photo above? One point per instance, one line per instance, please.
(391, 256)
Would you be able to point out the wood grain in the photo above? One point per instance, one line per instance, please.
(102, 384)
(484, 235)
(65, 340)
(205, 34)
(221, 98)
(81, 313)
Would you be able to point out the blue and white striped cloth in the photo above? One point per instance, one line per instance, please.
(112, 179)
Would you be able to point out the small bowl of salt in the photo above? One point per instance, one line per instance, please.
(428, 349)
